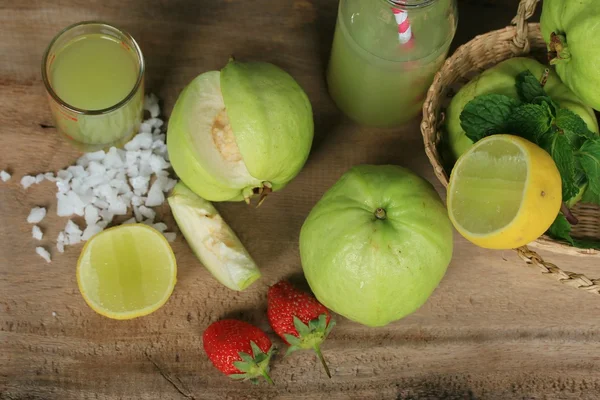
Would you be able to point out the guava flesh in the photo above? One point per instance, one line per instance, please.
(212, 240)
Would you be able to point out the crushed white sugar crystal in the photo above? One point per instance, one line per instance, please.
(36, 215)
(36, 232)
(54, 313)
(104, 184)
(27, 181)
(171, 236)
(160, 226)
(5, 176)
(42, 252)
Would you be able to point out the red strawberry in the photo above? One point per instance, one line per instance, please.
(238, 349)
(300, 320)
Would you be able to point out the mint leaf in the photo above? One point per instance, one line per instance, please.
(590, 197)
(529, 87)
(589, 158)
(573, 127)
(586, 244)
(530, 121)
(560, 149)
(561, 229)
(487, 115)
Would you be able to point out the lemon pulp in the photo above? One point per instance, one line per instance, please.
(126, 271)
(489, 190)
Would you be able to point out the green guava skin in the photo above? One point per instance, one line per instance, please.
(271, 118)
(376, 271)
(501, 79)
(578, 62)
(272, 122)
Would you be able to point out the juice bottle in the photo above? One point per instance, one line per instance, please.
(385, 54)
(94, 76)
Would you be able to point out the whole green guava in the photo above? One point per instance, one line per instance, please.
(501, 79)
(377, 244)
(571, 29)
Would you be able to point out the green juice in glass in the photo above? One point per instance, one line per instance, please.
(94, 76)
(93, 72)
(374, 78)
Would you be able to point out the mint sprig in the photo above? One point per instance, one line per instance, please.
(562, 133)
(487, 115)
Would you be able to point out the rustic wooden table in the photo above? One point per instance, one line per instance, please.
(494, 329)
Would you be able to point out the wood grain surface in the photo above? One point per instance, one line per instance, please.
(494, 329)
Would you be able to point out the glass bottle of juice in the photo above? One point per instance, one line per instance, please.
(385, 54)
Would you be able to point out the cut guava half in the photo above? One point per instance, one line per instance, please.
(202, 146)
(212, 240)
(242, 131)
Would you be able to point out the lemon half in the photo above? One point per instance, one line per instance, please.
(127, 271)
(504, 192)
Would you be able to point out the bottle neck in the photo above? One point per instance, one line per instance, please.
(409, 4)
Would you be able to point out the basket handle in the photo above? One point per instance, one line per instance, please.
(521, 41)
(578, 281)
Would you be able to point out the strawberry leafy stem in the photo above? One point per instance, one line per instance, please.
(310, 336)
(255, 365)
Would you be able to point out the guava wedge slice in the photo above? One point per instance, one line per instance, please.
(212, 240)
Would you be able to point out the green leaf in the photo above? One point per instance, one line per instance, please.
(529, 87)
(487, 115)
(243, 366)
(329, 327)
(292, 349)
(561, 229)
(530, 121)
(560, 149)
(238, 376)
(590, 197)
(256, 351)
(322, 322)
(246, 357)
(589, 158)
(587, 244)
(300, 327)
(572, 126)
(292, 340)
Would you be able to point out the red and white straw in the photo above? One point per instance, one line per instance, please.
(405, 34)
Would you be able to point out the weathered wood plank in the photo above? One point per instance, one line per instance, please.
(494, 329)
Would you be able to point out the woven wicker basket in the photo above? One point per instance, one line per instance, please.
(484, 51)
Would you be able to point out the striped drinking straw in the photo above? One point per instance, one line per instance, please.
(405, 34)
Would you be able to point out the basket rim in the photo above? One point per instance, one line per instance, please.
(427, 124)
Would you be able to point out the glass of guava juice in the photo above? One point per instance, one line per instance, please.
(94, 78)
(385, 54)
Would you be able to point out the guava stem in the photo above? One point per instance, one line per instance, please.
(544, 79)
(322, 359)
(568, 214)
(380, 213)
(558, 49)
